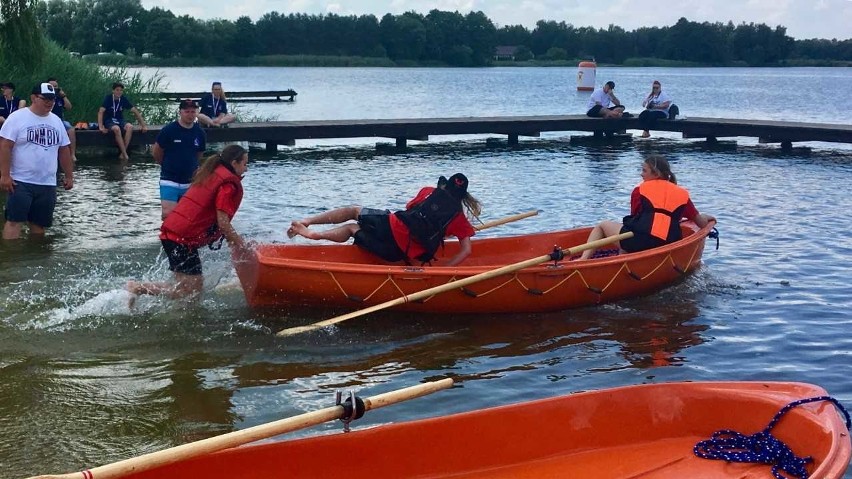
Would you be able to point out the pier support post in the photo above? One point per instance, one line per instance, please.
(786, 146)
(271, 147)
(401, 142)
(711, 140)
(513, 139)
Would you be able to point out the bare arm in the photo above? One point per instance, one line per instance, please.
(465, 249)
(614, 99)
(67, 165)
(703, 220)
(139, 118)
(101, 126)
(157, 152)
(231, 236)
(68, 104)
(6, 183)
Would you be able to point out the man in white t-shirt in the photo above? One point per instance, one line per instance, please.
(600, 101)
(31, 141)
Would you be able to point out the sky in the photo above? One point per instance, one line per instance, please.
(803, 18)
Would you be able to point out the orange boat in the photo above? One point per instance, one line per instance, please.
(646, 431)
(345, 276)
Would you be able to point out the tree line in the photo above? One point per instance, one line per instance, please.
(439, 37)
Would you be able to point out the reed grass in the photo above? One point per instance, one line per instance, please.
(86, 84)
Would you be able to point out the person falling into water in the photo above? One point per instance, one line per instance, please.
(202, 217)
(414, 234)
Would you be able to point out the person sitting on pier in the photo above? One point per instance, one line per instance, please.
(600, 101)
(656, 207)
(202, 217)
(9, 102)
(656, 105)
(61, 104)
(414, 234)
(114, 105)
(214, 108)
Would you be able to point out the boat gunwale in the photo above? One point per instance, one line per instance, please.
(373, 269)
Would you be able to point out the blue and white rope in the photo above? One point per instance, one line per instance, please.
(763, 447)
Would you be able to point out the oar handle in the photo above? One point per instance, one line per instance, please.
(451, 285)
(502, 221)
(244, 436)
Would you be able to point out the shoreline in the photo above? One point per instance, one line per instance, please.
(384, 62)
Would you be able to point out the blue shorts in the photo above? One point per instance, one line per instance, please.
(68, 125)
(31, 204)
(171, 191)
(112, 121)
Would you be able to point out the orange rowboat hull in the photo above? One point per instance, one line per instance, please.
(629, 432)
(345, 276)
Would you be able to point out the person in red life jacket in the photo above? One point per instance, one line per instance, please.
(412, 235)
(202, 217)
(656, 208)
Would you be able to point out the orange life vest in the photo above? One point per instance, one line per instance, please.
(661, 209)
(193, 220)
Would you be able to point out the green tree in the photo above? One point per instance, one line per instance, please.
(246, 42)
(21, 40)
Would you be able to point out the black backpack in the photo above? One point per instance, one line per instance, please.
(427, 221)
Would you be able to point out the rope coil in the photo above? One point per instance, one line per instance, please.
(763, 447)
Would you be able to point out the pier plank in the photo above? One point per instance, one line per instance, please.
(286, 132)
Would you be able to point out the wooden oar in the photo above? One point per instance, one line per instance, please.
(455, 284)
(236, 438)
(502, 221)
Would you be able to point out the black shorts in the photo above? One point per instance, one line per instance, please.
(595, 111)
(639, 241)
(182, 259)
(375, 235)
(31, 204)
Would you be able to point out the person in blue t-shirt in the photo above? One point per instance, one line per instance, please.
(61, 104)
(111, 118)
(178, 149)
(214, 108)
(9, 102)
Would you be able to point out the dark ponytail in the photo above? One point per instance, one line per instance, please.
(660, 167)
(226, 157)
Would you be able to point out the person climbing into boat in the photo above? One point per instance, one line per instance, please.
(414, 234)
(656, 207)
(202, 217)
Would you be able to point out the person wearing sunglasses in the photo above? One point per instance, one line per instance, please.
(656, 105)
(31, 141)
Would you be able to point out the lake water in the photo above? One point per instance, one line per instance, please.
(85, 381)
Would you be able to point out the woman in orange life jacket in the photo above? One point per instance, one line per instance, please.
(201, 217)
(656, 207)
(412, 235)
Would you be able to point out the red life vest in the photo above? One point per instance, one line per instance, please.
(662, 207)
(193, 221)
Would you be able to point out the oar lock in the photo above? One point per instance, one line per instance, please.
(557, 254)
(349, 413)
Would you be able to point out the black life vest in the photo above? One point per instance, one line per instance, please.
(427, 221)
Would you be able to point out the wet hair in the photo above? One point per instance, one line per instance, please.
(610, 84)
(660, 167)
(226, 157)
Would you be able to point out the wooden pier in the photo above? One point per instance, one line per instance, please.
(287, 132)
(231, 96)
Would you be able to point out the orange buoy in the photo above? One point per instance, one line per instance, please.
(586, 75)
